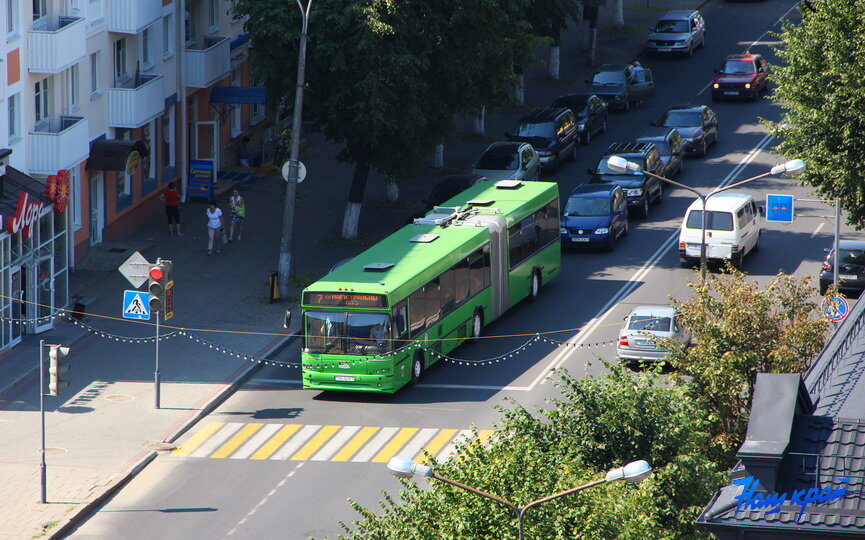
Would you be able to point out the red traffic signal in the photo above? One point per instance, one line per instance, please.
(156, 273)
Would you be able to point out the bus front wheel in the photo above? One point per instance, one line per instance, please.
(535, 289)
(416, 368)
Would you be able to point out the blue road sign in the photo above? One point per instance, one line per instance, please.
(135, 305)
(779, 208)
(835, 308)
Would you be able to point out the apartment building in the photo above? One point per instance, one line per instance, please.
(113, 96)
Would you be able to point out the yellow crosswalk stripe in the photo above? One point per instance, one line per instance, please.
(320, 438)
(352, 446)
(195, 441)
(393, 446)
(484, 436)
(233, 443)
(275, 442)
(441, 438)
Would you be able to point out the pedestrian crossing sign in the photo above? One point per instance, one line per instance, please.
(135, 305)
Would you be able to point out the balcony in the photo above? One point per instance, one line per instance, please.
(56, 46)
(132, 106)
(59, 144)
(132, 16)
(208, 61)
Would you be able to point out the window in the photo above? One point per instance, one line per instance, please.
(461, 278)
(14, 105)
(70, 77)
(41, 95)
(213, 14)
(40, 9)
(12, 18)
(75, 196)
(167, 36)
(433, 302)
(120, 58)
(534, 233)
(189, 23)
(94, 75)
(94, 12)
(145, 48)
(417, 311)
(448, 291)
(479, 270)
(400, 324)
(74, 7)
(257, 113)
(715, 220)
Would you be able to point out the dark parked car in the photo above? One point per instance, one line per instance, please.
(594, 215)
(697, 124)
(591, 113)
(551, 132)
(640, 189)
(851, 267)
(621, 84)
(668, 141)
(741, 75)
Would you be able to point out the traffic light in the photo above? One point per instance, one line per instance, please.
(159, 276)
(58, 370)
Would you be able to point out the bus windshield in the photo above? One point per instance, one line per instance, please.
(339, 332)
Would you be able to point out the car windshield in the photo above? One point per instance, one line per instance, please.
(662, 146)
(715, 220)
(603, 168)
(347, 333)
(682, 119)
(672, 27)
(738, 67)
(853, 256)
(609, 78)
(543, 129)
(500, 159)
(650, 323)
(587, 206)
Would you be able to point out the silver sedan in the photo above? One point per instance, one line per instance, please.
(642, 329)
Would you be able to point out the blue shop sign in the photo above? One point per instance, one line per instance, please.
(751, 499)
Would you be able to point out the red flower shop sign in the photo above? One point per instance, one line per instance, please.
(26, 215)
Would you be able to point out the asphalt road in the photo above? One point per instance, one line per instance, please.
(236, 495)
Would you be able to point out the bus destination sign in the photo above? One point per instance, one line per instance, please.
(334, 299)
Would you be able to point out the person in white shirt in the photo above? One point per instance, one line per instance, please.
(215, 227)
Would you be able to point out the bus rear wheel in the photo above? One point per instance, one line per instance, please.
(416, 368)
(535, 288)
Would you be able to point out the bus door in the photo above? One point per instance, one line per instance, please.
(498, 261)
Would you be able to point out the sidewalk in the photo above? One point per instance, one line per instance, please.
(104, 428)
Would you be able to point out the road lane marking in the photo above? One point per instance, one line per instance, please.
(375, 444)
(435, 445)
(202, 435)
(337, 442)
(263, 501)
(394, 445)
(817, 230)
(292, 445)
(257, 440)
(276, 441)
(216, 440)
(313, 445)
(233, 443)
(355, 443)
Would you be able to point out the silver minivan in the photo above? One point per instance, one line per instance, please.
(678, 31)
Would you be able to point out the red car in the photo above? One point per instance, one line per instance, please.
(741, 76)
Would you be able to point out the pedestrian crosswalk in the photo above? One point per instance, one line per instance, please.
(312, 442)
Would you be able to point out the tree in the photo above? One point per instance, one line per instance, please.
(596, 425)
(742, 329)
(549, 18)
(618, 14)
(385, 77)
(821, 89)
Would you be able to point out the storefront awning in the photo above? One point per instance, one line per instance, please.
(113, 154)
(239, 94)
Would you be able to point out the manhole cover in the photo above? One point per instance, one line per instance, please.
(161, 446)
(118, 397)
(54, 451)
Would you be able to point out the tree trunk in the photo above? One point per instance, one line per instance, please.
(439, 156)
(520, 93)
(554, 62)
(391, 190)
(355, 196)
(618, 14)
(480, 122)
(592, 35)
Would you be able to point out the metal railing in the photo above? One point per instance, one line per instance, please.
(833, 355)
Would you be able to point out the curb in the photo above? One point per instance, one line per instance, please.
(79, 516)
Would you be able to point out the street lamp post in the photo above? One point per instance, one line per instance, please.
(291, 181)
(636, 471)
(620, 164)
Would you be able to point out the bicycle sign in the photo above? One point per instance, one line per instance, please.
(835, 308)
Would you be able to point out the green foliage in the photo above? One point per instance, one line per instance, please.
(596, 425)
(822, 91)
(742, 329)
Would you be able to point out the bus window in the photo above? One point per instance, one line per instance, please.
(448, 292)
(477, 280)
(461, 276)
(325, 331)
(433, 302)
(417, 310)
(400, 324)
(368, 333)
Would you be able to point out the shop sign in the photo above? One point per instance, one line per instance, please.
(749, 498)
(57, 190)
(26, 215)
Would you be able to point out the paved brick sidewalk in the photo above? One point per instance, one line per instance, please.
(99, 430)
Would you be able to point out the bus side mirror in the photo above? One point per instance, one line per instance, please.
(287, 321)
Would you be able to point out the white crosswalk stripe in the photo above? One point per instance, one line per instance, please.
(216, 440)
(416, 443)
(335, 443)
(373, 446)
(255, 441)
(293, 445)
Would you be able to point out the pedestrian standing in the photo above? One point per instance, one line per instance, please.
(215, 227)
(172, 209)
(238, 213)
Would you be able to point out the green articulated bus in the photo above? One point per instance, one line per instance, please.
(376, 322)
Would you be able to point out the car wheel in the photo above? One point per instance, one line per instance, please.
(587, 138)
(535, 287)
(626, 229)
(416, 368)
(739, 260)
(757, 245)
(604, 125)
(644, 210)
(704, 149)
(660, 194)
(703, 41)
(690, 52)
(613, 239)
(627, 104)
(824, 287)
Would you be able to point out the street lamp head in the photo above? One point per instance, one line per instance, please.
(632, 473)
(403, 467)
(792, 167)
(620, 164)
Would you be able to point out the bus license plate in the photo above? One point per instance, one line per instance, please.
(579, 239)
(731, 93)
(344, 378)
(848, 277)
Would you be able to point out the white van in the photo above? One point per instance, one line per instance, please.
(732, 229)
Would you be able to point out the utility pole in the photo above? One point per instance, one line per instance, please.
(291, 183)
